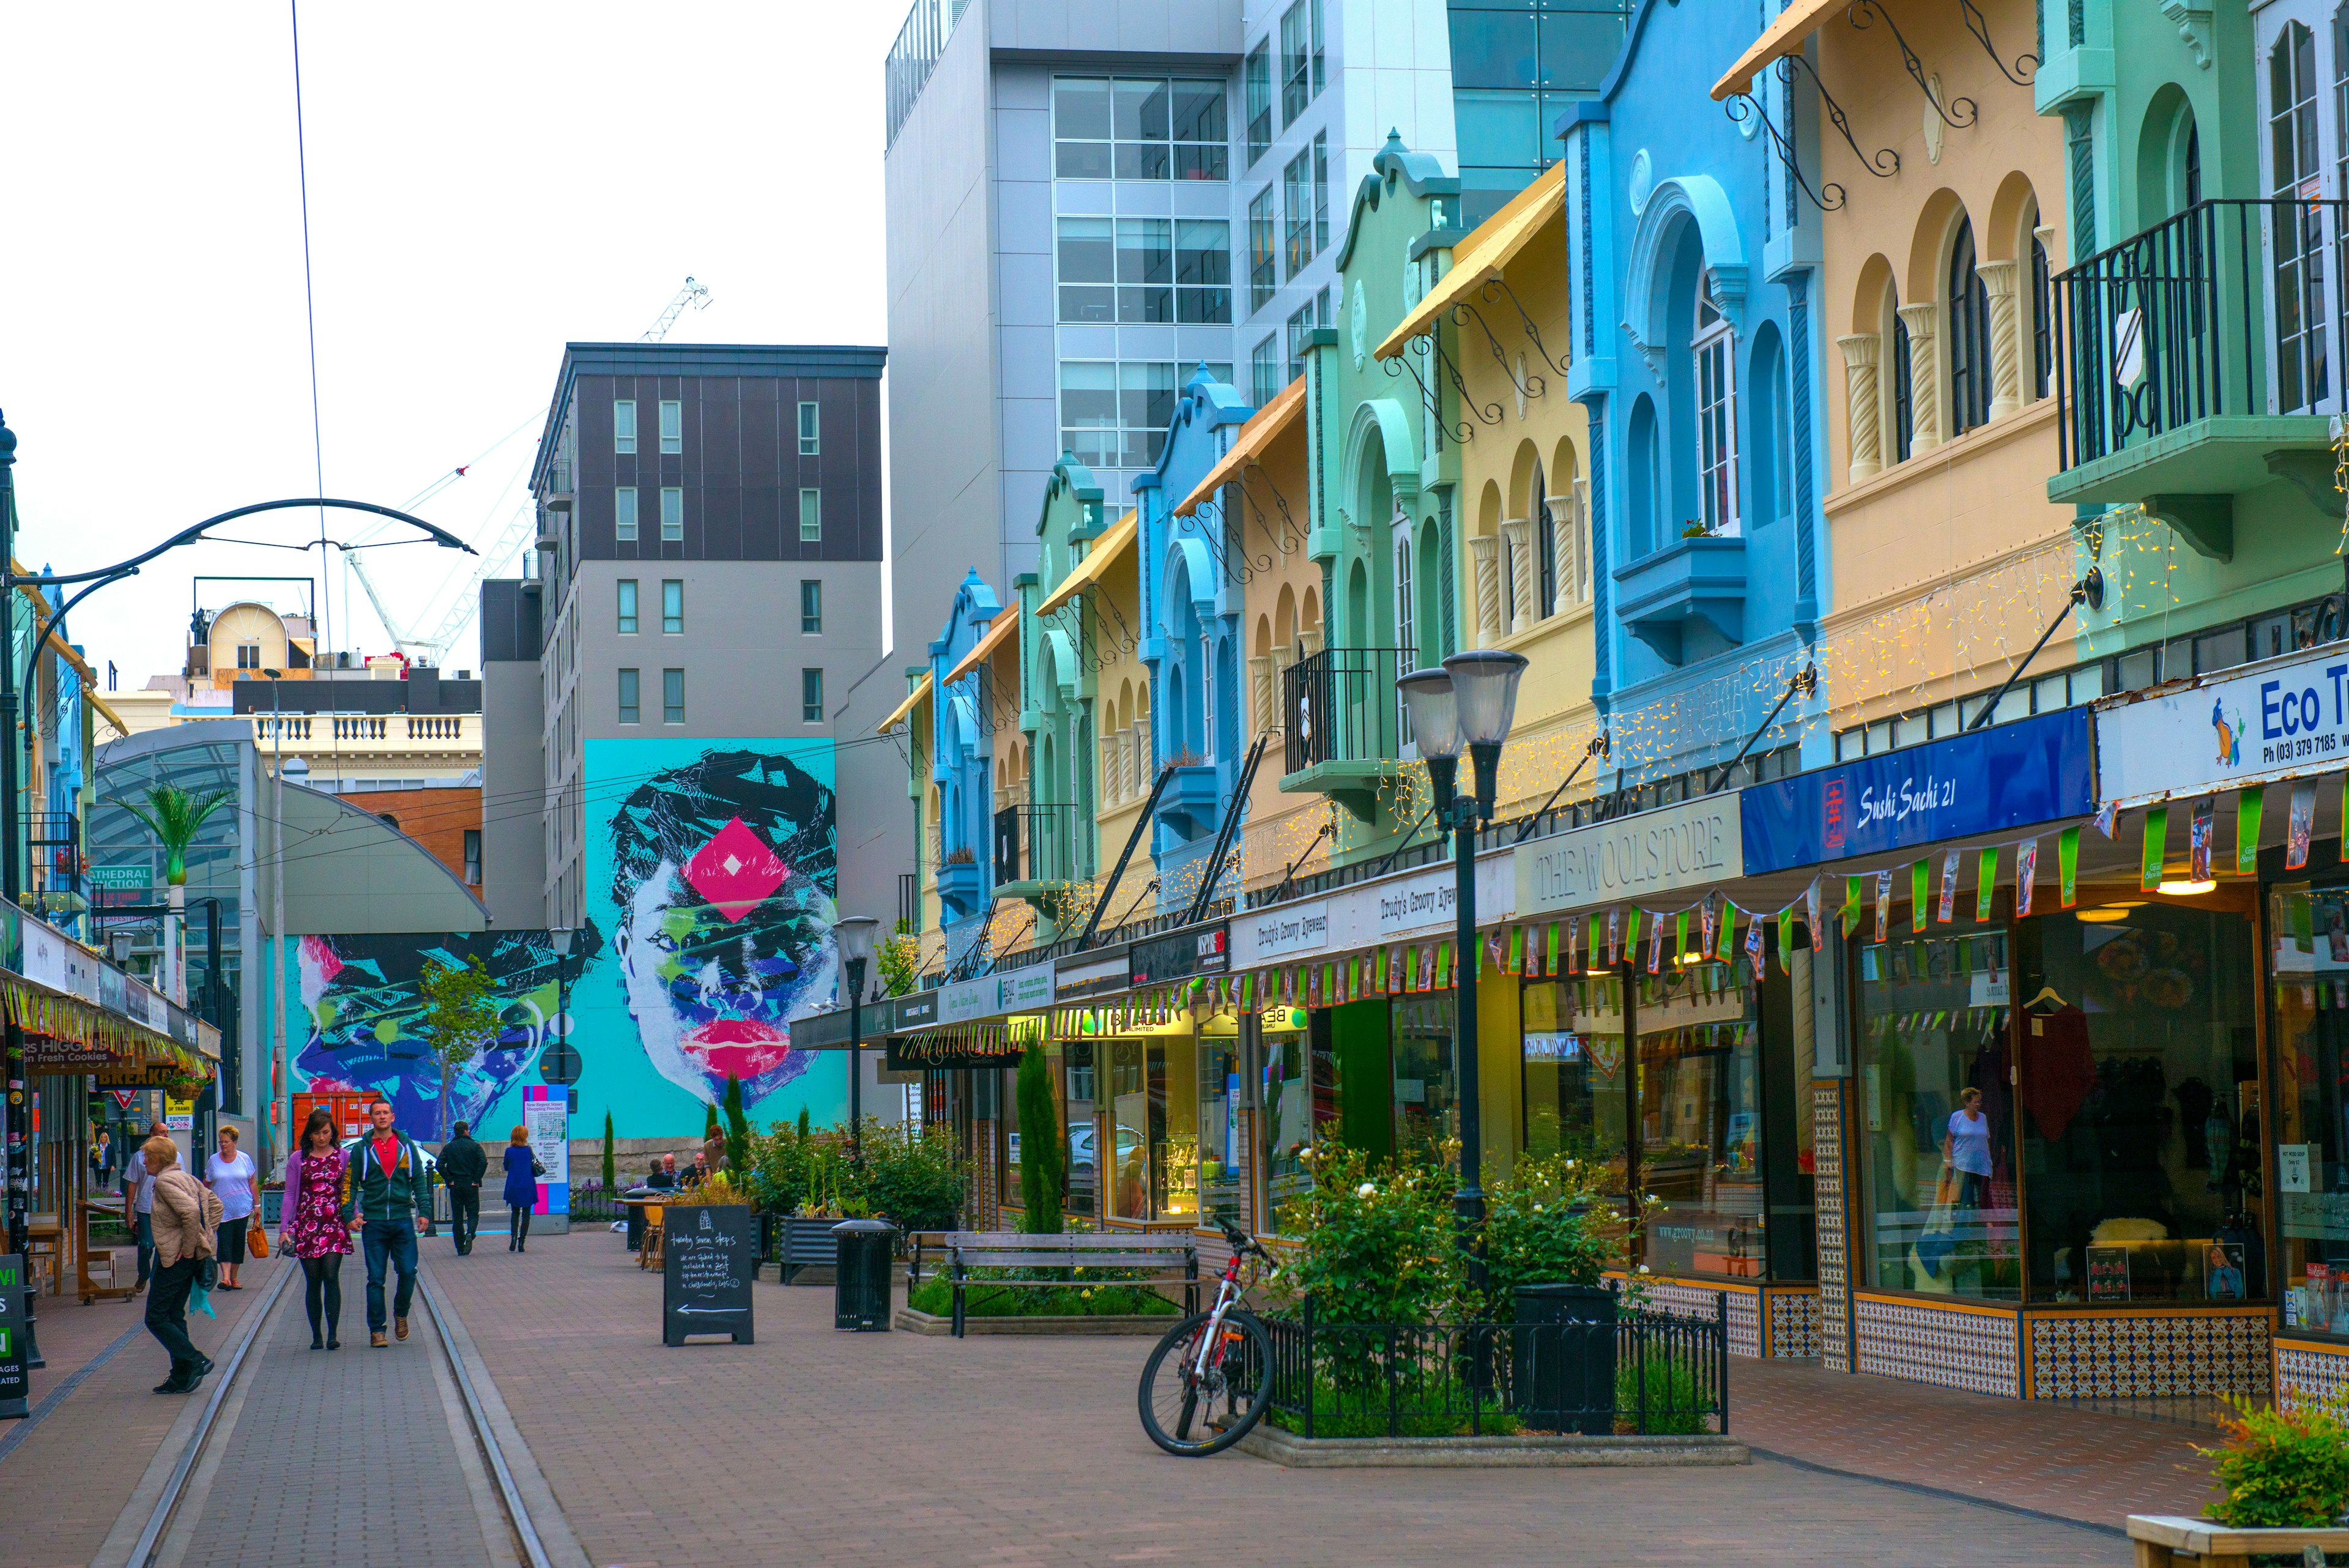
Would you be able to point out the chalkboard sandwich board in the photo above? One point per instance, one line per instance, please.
(708, 1258)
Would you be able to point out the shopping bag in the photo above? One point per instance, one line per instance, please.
(256, 1241)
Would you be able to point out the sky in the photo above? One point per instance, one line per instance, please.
(486, 183)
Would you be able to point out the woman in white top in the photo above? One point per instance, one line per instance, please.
(1967, 1148)
(231, 1175)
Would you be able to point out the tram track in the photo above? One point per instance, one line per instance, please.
(515, 1502)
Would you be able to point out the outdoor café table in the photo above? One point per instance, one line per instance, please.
(638, 1198)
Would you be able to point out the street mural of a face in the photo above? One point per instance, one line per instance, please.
(723, 872)
(361, 1003)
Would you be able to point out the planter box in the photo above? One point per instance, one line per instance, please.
(1287, 1449)
(912, 1322)
(2164, 1539)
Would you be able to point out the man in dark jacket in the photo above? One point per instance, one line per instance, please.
(462, 1166)
(387, 1202)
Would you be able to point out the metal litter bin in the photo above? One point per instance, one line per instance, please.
(1562, 1358)
(860, 1274)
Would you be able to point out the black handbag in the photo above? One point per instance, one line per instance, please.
(207, 1272)
(536, 1168)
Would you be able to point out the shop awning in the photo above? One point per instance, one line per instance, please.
(1089, 571)
(1254, 437)
(986, 646)
(1783, 37)
(1482, 254)
(902, 711)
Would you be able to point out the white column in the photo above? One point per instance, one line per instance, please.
(1923, 322)
(1485, 549)
(1567, 555)
(1863, 411)
(1260, 685)
(1523, 579)
(2006, 343)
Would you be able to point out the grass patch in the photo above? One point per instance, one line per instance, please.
(1422, 1415)
(1676, 1408)
(935, 1296)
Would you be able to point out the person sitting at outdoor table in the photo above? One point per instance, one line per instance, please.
(664, 1175)
(701, 1168)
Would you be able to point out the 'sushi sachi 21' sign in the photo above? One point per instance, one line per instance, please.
(2278, 719)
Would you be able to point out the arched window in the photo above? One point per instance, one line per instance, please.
(1900, 389)
(1639, 484)
(1715, 348)
(1404, 605)
(2303, 374)
(1545, 548)
(2043, 304)
(1969, 336)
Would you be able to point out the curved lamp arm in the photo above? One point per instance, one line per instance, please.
(438, 535)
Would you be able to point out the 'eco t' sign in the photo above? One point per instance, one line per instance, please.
(2278, 719)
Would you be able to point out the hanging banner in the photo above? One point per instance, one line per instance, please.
(1983, 780)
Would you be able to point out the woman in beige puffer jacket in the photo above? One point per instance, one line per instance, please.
(187, 1216)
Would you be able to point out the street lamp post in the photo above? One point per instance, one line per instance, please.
(854, 934)
(560, 940)
(1469, 703)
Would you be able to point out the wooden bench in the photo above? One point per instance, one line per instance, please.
(803, 1244)
(2165, 1539)
(1164, 1256)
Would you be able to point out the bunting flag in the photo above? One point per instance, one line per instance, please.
(1631, 934)
(2156, 845)
(1949, 906)
(1614, 936)
(2246, 829)
(1883, 905)
(1853, 896)
(1517, 951)
(1920, 881)
(1753, 943)
(1985, 883)
(2300, 827)
(2108, 818)
(1551, 966)
(1313, 987)
(1593, 934)
(1728, 929)
(1710, 914)
(1442, 966)
(2026, 873)
(1786, 938)
(2067, 864)
(1818, 931)
(1655, 941)
(1680, 936)
(2197, 839)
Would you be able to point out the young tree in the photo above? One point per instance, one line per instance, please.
(175, 816)
(460, 1018)
(611, 1171)
(1043, 1148)
(710, 1123)
(738, 1131)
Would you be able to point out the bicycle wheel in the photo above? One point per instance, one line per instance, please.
(1191, 1415)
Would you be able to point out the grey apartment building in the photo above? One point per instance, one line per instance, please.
(1089, 199)
(708, 568)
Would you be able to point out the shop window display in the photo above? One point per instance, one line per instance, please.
(2139, 1089)
(1219, 1128)
(1155, 1128)
(1300, 1109)
(1936, 1115)
(1424, 1112)
(1084, 1164)
(1574, 1079)
(1700, 1088)
(2308, 930)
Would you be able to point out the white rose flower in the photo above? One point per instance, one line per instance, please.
(1366, 1189)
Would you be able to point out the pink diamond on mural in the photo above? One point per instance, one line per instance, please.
(734, 871)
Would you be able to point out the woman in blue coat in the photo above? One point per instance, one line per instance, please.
(521, 1190)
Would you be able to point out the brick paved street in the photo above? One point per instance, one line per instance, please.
(820, 1449)
(83, 1460)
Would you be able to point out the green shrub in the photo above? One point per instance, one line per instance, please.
(913, 1176)
(2280, 1470)
(1423, 1414)
(1043, 1146)
(1676, 1405)
(935, 1296)
(1377, 1246)
(1548, 1222)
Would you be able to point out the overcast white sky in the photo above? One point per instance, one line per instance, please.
(487, 181)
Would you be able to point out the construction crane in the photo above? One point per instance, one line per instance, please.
(695, 294)
(517, 533)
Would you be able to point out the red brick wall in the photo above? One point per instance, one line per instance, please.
(435, 818)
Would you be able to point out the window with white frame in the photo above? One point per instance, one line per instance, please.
(811, 430)
(2303, 375)
(624, 426)
(624, 514)
(1144, 270)
(672, 503)
(1139, 128)
(672, 426)
(1715, 348)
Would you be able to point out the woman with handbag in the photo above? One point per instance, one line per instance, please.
(523, 1171)
(231, 1175)
(312, 1229)
(186, 1219)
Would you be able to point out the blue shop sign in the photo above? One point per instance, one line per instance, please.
(1986, 780)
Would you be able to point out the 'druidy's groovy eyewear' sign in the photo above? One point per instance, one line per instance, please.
(2278, 719)
(1984, 781)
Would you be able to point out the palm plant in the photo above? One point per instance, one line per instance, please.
(175, 815)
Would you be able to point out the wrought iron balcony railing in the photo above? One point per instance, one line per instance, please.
(1045, 843)
(1340, 705)
(2232, 307)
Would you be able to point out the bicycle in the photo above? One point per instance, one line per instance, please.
(1210, 1379)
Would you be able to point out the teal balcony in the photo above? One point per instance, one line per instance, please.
(1701, 579)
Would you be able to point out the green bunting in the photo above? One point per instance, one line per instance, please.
(2247, 828)
(2156, 845)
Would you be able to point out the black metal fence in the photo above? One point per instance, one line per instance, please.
(592, 1203)
(1651, 1373)
(1340, 705)
(2233, 306)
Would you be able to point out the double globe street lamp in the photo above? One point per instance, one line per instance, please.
(1469, 704)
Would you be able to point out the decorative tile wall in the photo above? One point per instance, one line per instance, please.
(2307, 1376)
(1695, 1299)
(2151, 1353)
(1968, 1350)
(1794, 1319)
(1828, 1187)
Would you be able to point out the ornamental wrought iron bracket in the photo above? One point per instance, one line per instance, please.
(1292, 537)
(1959, 112)
(1829, 197)
(1464, 431)
(1979, 26)
(1235, 528)
(1093, 662)
(1528, 383)
(1884, 162)
(1485, 413)
(1533, 333)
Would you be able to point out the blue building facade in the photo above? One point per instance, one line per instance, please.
(1693, 252)
(962, 766)
(1191, 636)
